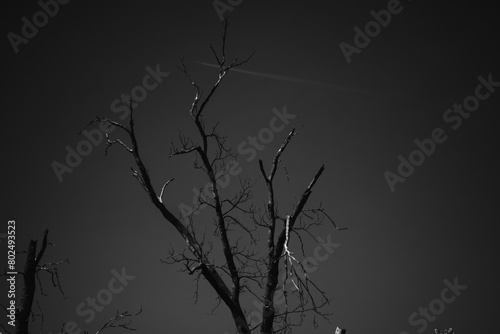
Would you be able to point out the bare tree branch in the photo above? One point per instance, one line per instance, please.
(163, 189)
(120, 320)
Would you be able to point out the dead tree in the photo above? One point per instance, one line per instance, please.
(243, 269)
(32, 269)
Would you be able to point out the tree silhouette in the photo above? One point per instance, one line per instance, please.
(31, 281)
(244, 268)
(33, 266)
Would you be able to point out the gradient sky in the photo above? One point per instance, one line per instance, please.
(356, 118)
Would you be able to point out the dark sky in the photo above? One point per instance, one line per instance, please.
(360, 118)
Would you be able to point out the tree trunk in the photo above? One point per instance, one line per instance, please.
(240, 322)
(29, 285)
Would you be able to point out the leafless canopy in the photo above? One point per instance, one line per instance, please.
(243, 268)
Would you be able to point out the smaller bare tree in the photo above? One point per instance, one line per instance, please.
(25, 315)
(31, 276)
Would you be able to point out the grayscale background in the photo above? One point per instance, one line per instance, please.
(356, 118)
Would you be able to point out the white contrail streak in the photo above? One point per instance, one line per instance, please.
(296, 80)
